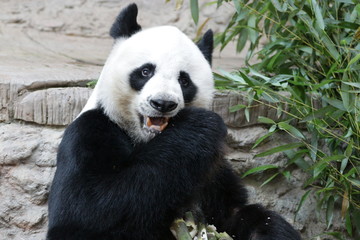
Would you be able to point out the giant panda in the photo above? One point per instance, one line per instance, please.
(145, 149)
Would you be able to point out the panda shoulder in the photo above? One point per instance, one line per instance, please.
(92, 127)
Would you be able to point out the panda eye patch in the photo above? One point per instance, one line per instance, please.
(139, 76)
(184, 79)
(188, 87)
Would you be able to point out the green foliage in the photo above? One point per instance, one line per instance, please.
(92, 84)
(311, 52)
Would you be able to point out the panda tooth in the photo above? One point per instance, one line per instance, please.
(148, 122)
(155, 124)
(162, 127)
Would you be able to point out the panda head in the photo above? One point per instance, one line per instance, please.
(151, 75)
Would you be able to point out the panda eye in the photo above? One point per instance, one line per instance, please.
(145, 72)
(184, 80)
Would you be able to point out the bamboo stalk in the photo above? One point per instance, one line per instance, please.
(188, 230)
(180, 230)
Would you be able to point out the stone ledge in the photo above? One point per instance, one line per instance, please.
(60, 106)
(54, 106)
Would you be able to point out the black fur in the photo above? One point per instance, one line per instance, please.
(206, 45)
(188, 88)
(125, 24)
(107, 188)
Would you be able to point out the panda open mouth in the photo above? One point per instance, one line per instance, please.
(155, 124)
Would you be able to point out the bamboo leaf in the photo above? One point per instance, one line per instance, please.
(330, 211)
(302, 200)
(330, 47)
(333, 158)
(261, 139)
(243, 37)
(348, 224)
(354, 60)
(349, 149)
(278, 6)
(237, 107)
(318, 169)
(297, 157)
(318, 114)
(259, 169)
(286, 174)
(247, 114)
(252, 33)
(266, 120)
(237, 6)
(354, 84)
(269, 179)
(336, 235)
(194, 6)
(354, 181)
(250, 81)
(280, 149)
(344, 163)
(272, 128)
(356, 218)
(256, 73)
(318, 15)
(350, 172)
(335, 103)
(291, 129)
(347, 97)
(233, 77)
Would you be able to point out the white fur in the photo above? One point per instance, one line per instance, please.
(171, 51)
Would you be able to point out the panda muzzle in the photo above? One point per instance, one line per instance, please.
(157, 123)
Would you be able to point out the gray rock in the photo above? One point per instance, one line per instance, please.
(244, 137)
(223, 100)
(45, 154)
(16, 143)
(31, 218)
(33, 181)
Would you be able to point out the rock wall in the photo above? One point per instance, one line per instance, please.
(52, 50)
(28, 161)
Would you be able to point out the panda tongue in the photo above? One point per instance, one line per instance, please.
(157, 123)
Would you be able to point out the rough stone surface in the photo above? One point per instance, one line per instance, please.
(54, 106)
(17, 146)
(51, 49)
(25, 181)
(226, 99)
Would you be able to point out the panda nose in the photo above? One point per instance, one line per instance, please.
(162, 105)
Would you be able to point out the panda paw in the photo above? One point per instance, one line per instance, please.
(254, 222)
(200, 121)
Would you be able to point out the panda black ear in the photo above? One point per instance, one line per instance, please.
(206, 45)
(125, 24)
